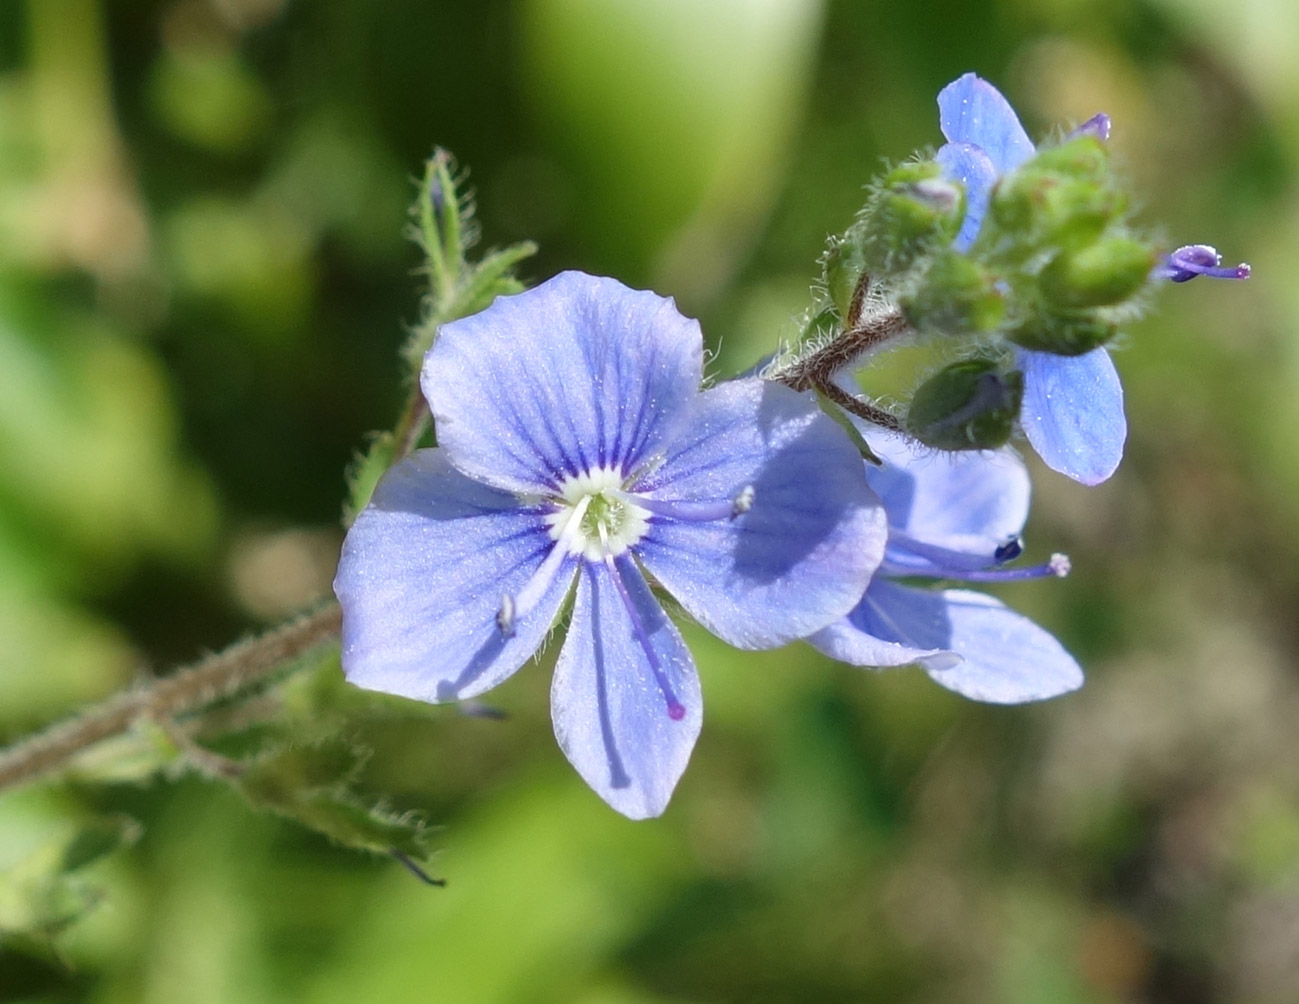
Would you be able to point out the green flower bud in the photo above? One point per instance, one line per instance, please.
(915, 209)
(955, 296)
(1063, 334)
(1107, 272)
(970, 405)
(1065, 195)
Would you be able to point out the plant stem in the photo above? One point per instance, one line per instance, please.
(189, 688)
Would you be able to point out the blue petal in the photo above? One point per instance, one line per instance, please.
(578, 373)
(969, 165)
(1007, 658)
(421, 578)
(968, 642)
(971, 110)
(968, 501)
(1073, 412)
(802, 554)
(610, 713)
(892, 626)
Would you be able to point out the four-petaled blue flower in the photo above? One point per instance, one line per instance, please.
(575, 444)
(1072, 411)
(952, 516)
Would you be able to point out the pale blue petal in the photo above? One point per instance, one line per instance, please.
(971, 110)
(1007, 658)
(609, 710)
(968, 642)
(421, 578)
(803, 553)
(580, 372)
(892, 626)
(969, 165)
(1073, 412)
(969, 501)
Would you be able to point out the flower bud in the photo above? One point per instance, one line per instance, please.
(1065, 195)
(969, 405)
(955, 296)
(1107, 272)
(913, 210)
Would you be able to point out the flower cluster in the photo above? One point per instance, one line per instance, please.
(580, 466)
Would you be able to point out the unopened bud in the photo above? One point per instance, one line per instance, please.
(970, 405)
(914, 210)
(955, 296)
(1107, 272)
(1065, 196)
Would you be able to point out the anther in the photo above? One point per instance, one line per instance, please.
(1008, 551)
(505, 616)
(742, 502)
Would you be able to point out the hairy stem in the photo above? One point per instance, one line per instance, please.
(188, 689)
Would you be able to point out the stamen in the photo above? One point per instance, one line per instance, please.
(1057, 567)
(742, 502)
(676, 710)
(1191, 260)
(687, 512)
(522, 603)
(903, 549)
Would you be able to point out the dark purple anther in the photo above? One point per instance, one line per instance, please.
(1191, 260)
(1098, 126)
(1008, 551)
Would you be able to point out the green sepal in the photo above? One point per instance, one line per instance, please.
(365, 472)
(841, 418)
(1063, 334)
(1102, 274)
(968, 405)
(842, 268)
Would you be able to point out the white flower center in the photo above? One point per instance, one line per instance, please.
(594, 517)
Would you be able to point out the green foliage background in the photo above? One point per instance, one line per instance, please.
(203, 289)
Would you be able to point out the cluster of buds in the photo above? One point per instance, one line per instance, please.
(1000, 253)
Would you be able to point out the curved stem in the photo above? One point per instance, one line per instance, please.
(187, 689)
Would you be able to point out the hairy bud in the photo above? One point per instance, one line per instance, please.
(969, 405)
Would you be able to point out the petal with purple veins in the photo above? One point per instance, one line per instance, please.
(609, 701)
(579, 373)
(802, 553)
(421, 580)
(1073, 412)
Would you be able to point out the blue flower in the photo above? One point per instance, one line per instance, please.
(1072, 411)
(952, 516)
(575, 445)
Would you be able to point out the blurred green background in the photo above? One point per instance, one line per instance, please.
(203, 286)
